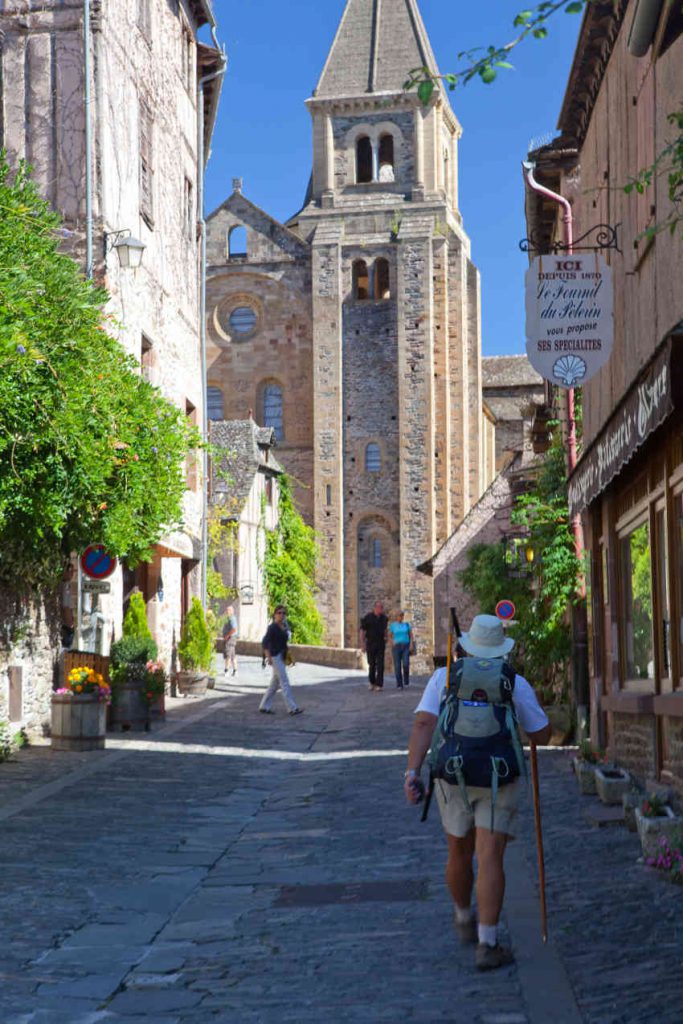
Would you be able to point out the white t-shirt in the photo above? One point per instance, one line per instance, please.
(530, 714)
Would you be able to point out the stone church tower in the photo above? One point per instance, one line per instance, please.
(393, 428)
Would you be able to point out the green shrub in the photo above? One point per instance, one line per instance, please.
(5, 741)
(135, 624)
(129, 657)
(195, 650)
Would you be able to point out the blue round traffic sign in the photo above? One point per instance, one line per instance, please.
(97, 563)
(505, 610)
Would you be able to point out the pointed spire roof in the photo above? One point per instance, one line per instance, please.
(378, 43)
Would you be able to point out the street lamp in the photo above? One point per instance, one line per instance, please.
(128, 248)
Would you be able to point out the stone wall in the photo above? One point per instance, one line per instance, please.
(30, 652)
(676, 753)
(633, 744)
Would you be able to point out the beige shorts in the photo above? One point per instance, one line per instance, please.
(457, 819)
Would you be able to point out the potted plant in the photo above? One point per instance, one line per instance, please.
(79, 711)
(585, 763)
(129, 675)
(655, 820)
(195, 652)
(154, 689)
(611, 783)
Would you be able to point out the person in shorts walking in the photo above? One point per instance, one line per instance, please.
(477, 822)
(275, 650)
(373, 641)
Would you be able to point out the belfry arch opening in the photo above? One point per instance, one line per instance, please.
(237, 241)
(386, 158)
(361, 280)
(382, 282)
(363, 160)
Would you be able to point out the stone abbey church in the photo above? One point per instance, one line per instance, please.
(354, 329)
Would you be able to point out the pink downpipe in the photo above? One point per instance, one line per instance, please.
(568, 221)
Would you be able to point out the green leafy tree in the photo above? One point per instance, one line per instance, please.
(135, 623)
(289, 568)
(195, 650)
(90, 452)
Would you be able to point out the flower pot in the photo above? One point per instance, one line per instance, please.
(212, 683)
(192, 684)
(130, 710)
(78, 722)
(651, 830)
(585, 773)
(611, 784)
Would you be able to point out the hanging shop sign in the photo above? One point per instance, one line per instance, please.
(569, 317)
(644, 408)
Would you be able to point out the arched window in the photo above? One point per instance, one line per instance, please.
(363, 159)
(361, 280)
(376, 553)
(272, 410)
(214, 403)
(373, 459)
(386, 158)
(382, 285)
(237, 242)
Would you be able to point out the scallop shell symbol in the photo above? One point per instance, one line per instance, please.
(569, 370)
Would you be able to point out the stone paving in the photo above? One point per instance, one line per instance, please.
(238, 868)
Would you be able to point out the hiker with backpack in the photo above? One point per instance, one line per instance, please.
(468, 723)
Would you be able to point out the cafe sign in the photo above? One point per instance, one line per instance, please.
(569, 317)
(644, 408)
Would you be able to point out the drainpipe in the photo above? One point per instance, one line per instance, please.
(87, 71)
(202, 303)
(579, 616)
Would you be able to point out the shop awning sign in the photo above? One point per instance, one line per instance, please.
(569, 317)
(644, 408)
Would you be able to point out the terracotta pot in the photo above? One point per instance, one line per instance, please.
(79, 722)
(192, 684)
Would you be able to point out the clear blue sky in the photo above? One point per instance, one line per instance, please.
(276, 52)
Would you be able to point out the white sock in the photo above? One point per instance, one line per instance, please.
(488, 934)
(463, 914)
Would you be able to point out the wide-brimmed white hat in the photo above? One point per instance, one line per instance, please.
(486, 638)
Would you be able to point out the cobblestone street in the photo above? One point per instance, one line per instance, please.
(237, 868)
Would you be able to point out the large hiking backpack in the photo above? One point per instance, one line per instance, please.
(476, 742)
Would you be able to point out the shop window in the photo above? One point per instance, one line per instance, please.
(664, 618)
(636, 581)
(363, 160)
(214, 403)
(237, 242)
(376, 554)
(373, 459)
(361, 280)
(382, 285)
(386, 158)
(273, 416)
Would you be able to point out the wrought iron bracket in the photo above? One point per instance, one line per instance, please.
(606, 237)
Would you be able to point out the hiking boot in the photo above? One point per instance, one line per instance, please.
(488, 958)
(266, 711)
(467, 930)
(297, 711)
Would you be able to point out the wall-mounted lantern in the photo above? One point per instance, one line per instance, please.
(519, 555)
(128, 248)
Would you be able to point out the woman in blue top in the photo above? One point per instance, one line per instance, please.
(403, 646)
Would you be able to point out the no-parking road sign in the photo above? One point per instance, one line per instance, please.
(97, 563)
(505, 610)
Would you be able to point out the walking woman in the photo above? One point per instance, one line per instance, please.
(403, 646)
(275, 650)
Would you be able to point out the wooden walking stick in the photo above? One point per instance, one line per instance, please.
(539, 841)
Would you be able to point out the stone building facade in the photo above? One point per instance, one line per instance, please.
(628, 485)
(146, 65)
(364, 314)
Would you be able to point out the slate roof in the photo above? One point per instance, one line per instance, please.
(248, 449)
(507, 409)
(508, 371)
(377, 44)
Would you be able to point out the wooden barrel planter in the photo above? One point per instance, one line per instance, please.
(192, 684)
(78, 722)
(129, 711)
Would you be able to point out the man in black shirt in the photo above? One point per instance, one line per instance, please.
(373, 640)
(275, 649)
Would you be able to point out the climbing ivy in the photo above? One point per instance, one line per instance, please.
(289, 569)
(90, 452)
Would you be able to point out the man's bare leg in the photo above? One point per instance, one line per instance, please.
(490, 850)
(459, 870)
